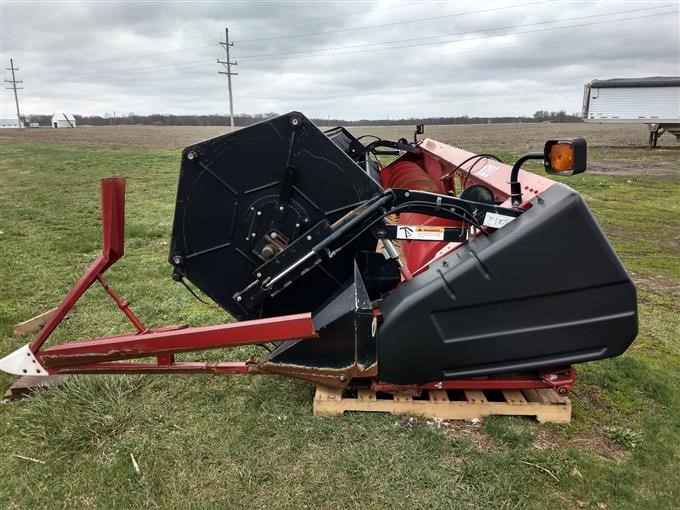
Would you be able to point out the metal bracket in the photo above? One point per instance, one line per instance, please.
(22, 362)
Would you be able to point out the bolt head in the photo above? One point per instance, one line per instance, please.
(259, 275)
(297, 225)
(342, 378)
(252, 235)
(259, 213)
(407, 194)
(309, 238)
(239, 298)
(273, 235)
(191, 155)
(295, 121)
(177, 260)
(281, 208)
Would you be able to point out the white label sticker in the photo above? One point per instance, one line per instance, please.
(494, 220)
(420, 233)
(487, 170)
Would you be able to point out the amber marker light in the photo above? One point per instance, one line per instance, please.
(565, 157)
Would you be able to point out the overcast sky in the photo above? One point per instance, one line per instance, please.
(348, 60)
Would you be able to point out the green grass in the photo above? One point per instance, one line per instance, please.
(236, 442)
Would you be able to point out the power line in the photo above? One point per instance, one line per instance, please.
(155, 54)
(227, 65)
(476, 50)
(344, 15)
(192, 64)
(379, 95)
(13, 82)
(255, 27)
(394, 23)
(187, 64)
(181, 50)
(356, 94)
(403, 46)
(363, 45)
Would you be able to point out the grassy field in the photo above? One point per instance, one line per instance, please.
(237, 442)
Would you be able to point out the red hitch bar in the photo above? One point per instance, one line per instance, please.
(103, 355)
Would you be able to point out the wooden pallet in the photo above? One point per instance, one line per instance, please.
(546, 405)
(34, 324)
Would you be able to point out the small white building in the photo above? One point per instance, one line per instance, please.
(10, 123)
(63, 120)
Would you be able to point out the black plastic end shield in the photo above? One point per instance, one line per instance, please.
(546, 290)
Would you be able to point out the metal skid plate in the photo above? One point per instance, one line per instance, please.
(346, 347)
(245, 196)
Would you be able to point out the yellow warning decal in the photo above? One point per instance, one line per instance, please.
(420, 233)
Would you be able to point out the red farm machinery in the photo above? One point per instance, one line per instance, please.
(442, 269)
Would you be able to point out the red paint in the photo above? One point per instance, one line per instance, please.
(113, 234)
(440, 168)
(561, 380)
(192, 367)
(490, 173)
(124, 306)
(153, 343)
(410, 175)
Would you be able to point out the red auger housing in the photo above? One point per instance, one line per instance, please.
(443, 269)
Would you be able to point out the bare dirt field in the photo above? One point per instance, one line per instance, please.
(615, 149)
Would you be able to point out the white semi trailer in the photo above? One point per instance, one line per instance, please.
(654, 101)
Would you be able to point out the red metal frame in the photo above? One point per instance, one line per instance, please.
(113, 234)
(98, 355)
(561, 380)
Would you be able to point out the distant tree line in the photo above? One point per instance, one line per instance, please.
(158, 119)
(561, 116)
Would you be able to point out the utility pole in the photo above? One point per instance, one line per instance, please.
(227, 65)
(13, 83)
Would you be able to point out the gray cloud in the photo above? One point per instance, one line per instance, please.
(159, 57)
